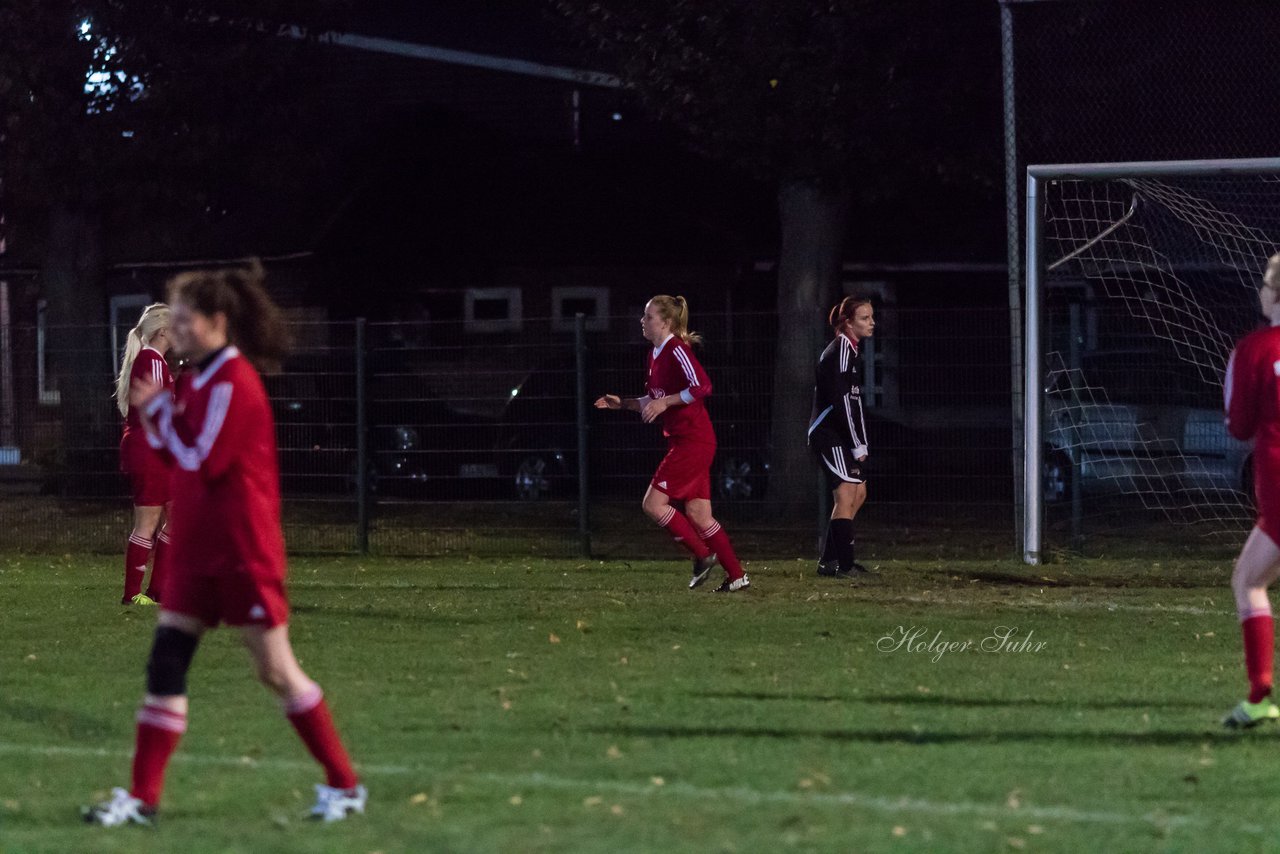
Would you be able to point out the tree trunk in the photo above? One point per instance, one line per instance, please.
(77, 352)
(809, 266)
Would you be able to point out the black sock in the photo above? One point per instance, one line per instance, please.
(828, 547)
(841, 532)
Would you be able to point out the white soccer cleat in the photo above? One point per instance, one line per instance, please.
(734, 585)
(336, 804)
(123, 808)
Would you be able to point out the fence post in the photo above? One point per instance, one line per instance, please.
(362, 448)
(584, 496)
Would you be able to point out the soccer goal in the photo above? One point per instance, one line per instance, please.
(1140, 278)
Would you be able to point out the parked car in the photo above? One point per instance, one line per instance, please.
(418, 446)
(1128, 421)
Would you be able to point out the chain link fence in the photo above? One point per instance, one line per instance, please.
(438, 438)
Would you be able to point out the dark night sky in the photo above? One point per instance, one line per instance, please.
(632, 190)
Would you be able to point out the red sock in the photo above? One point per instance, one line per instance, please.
(1259, 648)
(310, 717)
(159, 567)
(135, 565)
(158, 733)
(718, 541)
(682, 532)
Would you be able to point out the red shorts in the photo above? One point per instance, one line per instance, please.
(148, 472)
(234, 598)
(685, 472)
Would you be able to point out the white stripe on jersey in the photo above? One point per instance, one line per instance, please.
(683, 358)
(157, 373)
(207, 374)
(821, 415)
(190, 458)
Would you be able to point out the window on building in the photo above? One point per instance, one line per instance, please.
(125, 311)
(493, 310)
(45, 383)
(567, 303)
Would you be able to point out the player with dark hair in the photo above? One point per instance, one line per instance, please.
(1251, 395)
(838, 431)
(228, 561)
(148, 469)
(676, 387)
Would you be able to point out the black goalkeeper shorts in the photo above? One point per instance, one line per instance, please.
(840, 465)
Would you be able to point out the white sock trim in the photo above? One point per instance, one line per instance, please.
(304, 702)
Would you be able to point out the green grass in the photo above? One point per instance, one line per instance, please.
(531, 705)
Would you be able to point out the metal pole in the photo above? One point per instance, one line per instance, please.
(1013, 250)
(1033, 452)
(584, 494)
(362, 447)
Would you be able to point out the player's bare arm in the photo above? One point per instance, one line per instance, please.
(651, 408)
(141, 392)
(613, 401)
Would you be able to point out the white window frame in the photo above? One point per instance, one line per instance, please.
(515, 310)
(47, 396)
(561, 322)
(133, 304)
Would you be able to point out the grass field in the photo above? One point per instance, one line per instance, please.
(530, 705)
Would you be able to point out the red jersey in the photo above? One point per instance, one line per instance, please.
(673, 369)
(225, 516)
(1252, 398)
(1252, 389)
(148, 365)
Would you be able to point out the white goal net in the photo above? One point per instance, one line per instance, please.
(1144, 282)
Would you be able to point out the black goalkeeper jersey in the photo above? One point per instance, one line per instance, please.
(837, 417)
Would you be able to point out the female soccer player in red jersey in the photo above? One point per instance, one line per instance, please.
(148, 469)
(227, 563)
(838, 430)
(676, 388)
(1252, 397)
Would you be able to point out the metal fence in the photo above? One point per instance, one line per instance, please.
(479, 438)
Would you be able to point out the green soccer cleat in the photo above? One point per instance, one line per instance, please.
(143, 599)
(1247, 715)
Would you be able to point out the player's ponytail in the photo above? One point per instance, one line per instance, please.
(675, 310)
(255, 324)
(843, 311)
(155, 318)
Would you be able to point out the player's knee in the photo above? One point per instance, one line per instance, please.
(655, 508)
(273, 676)
(170, 659)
